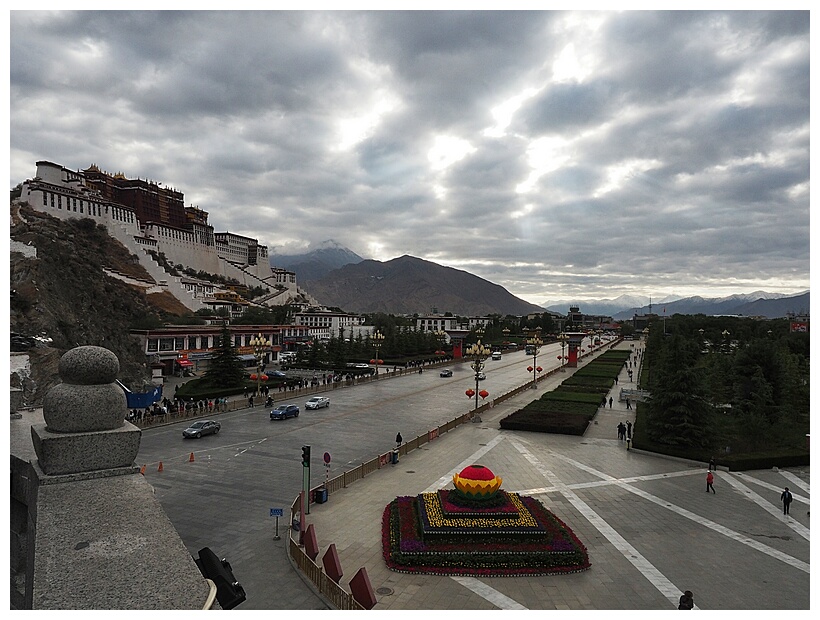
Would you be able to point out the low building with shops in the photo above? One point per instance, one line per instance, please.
(181, 348)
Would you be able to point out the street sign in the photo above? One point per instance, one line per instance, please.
(277, 512)
(327, 458)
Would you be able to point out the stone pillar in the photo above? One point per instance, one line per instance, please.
(87, 529)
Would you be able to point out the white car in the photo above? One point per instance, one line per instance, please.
(317, 402)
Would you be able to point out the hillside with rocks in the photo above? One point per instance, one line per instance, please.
(61, 298)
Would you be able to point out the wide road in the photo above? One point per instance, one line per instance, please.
(222, 499)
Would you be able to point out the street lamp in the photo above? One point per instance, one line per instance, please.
(479, 353)
(377, 340)
(563, 338)
(441, 336)
(535, 343)
(259, 344)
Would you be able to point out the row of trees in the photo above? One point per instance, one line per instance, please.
(726, 381)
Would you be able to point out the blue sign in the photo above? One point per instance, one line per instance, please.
(277, 512)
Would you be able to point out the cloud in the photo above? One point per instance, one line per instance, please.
(558, 154)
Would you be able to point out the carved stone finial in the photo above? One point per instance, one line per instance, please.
(88, 400)
(85, 428)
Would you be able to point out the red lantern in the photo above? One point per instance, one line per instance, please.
(470, 393)
(539, 369)
(372, 361)
(380, 361)
(529, 368)
(263, 377)
(484, 394)
(253, 377)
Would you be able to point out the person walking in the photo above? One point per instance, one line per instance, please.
(628, 429)
(398, 440)
(610, 402)
(786, 498)
(687, 600)
(712, 464)
(709, 480)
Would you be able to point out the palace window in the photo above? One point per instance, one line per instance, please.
(45, 199)
(153, 345)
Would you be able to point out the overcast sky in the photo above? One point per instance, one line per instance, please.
(562, 155)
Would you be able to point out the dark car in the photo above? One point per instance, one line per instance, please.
(283, 412)
(446, 373)
(203, 427)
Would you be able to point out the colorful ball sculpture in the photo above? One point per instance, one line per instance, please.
(476, 482)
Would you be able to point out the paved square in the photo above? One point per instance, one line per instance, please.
(650, 528)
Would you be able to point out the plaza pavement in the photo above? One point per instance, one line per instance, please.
(650, 528)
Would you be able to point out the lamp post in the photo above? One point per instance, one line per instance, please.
(563, 338)
(377, 340)
(259, 344)
(441, 336)
(479, 353)
(535, 343)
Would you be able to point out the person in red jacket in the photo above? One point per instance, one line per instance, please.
(709, 480)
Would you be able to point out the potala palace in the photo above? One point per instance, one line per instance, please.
(155, 225)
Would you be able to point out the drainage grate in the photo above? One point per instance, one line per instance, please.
(384, 591)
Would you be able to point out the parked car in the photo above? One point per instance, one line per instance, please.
(317, 402)
(283, 412)
(277, 373)
(496, 355)
(446, 373)
(481, 376)
(203, 427)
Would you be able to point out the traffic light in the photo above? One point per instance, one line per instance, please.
(306, 456)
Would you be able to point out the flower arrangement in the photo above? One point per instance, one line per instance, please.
(446, 533)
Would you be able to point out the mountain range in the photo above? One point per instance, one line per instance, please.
(339, 277)
(317, 263)
(409, 285)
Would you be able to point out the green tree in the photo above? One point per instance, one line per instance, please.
(677, 413)
(226, 368)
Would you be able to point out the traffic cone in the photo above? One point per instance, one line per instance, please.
(160, 466)
(191, 458)
(142, 470)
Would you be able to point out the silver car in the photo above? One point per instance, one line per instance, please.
(317, 402)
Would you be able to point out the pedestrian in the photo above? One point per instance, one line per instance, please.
(621, 430)
(628, 429)
(398, 439)
(712, 464)
(709, 480)
(250, 400)
(687, 600)
(628, 405)
(610, 402)
(786, 498)
(603, 402)
(616, 380)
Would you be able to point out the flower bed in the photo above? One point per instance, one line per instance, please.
(536, 542)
